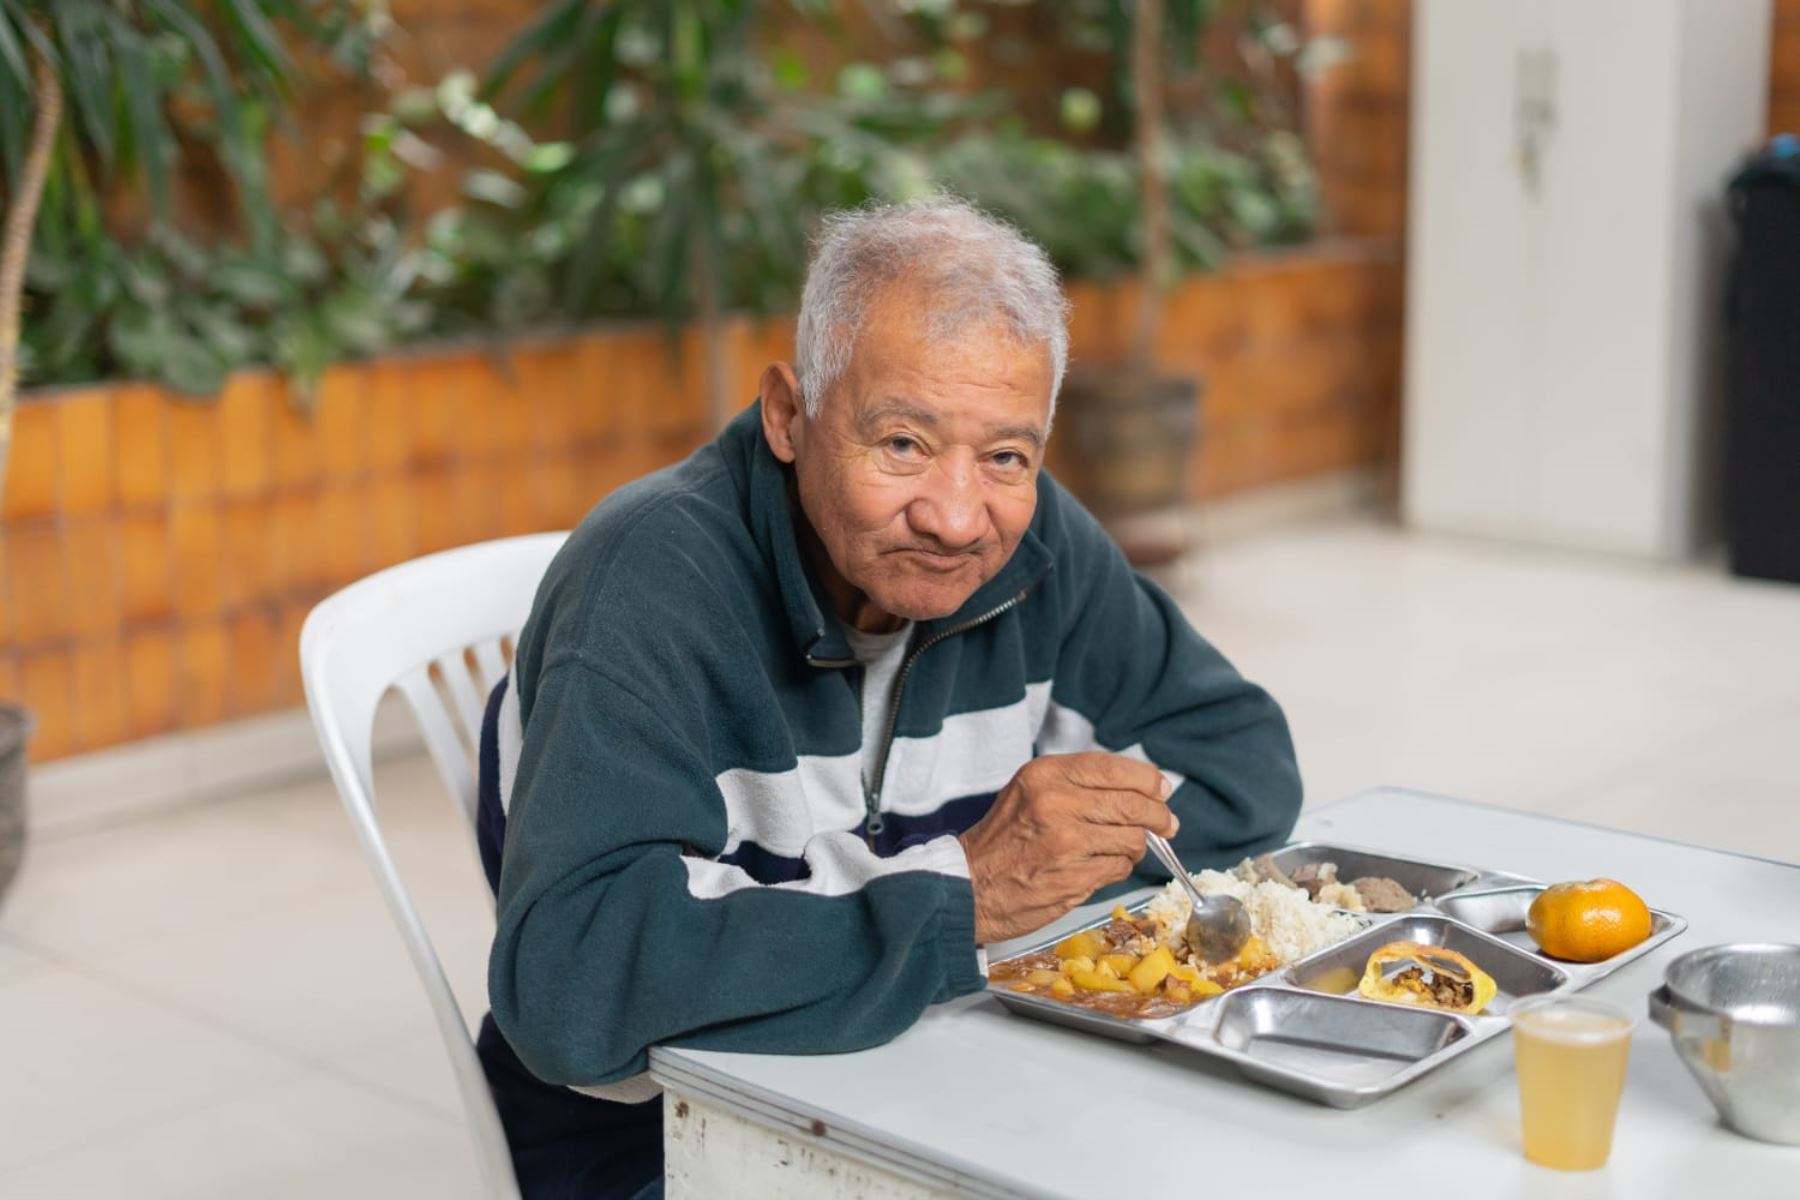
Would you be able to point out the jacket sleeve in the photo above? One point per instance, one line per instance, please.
(1133, 677)
(619, 930)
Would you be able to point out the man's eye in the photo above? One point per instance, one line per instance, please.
(905, 447)
(1009, 459)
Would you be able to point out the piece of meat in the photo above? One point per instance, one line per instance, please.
(1442, 990)
(1267, 871)
(1381, 894)
(1312, 877)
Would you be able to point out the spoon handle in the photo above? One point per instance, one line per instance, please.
(1165, 854)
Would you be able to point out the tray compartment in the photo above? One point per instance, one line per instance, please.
(1425, 880)
(1342, 1043)
(1500, 913)
(1517, 973)
(1123, 1028)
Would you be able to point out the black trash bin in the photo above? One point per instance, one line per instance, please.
(1762, 418)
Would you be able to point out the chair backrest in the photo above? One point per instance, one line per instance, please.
(436, 629)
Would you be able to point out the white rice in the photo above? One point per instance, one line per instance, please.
(1291, 924)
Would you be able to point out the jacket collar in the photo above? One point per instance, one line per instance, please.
(817, 632)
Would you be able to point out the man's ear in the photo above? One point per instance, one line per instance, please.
(781, 410)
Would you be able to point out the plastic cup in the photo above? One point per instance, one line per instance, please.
(1571, 1053)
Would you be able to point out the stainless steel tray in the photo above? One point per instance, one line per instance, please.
(1295, 1030)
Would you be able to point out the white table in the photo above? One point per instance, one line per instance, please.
(975, 1101)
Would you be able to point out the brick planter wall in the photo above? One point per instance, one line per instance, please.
(1299, 354)
(158, 555)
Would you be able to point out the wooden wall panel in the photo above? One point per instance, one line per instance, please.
(1784, 69)
(1355, 115)
(158, 555)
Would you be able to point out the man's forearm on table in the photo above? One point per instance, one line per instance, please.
(761, 968)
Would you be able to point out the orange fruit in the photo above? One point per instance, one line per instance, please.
(1587, 920)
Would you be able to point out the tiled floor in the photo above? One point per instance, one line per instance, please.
(212, 1004)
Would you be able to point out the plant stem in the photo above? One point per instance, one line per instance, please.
(15, 245)
(1146, 86)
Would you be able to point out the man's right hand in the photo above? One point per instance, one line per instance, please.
(1065, 826)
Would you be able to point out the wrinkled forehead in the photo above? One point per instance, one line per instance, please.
(913, 338)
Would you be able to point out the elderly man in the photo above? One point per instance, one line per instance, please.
(800, 725)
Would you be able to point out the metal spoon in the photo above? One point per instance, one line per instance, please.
(1218, 927)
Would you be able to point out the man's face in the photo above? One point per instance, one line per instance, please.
(919, 475)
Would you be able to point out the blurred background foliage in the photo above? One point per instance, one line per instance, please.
(620, 158)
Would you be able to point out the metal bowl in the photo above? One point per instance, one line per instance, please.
(1734, 1014)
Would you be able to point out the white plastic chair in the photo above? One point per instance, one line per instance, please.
(416, 627)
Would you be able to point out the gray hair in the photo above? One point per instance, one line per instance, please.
(971, 266)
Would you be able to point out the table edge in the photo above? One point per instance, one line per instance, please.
(684, 1076)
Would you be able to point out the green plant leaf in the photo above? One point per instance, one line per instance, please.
(15, 125)
(491, 187)
(554, 27)
(189, 366)
(229, 338)
(1236, 98)
(546, 157)
(45, 272)
(303, 349)
(168, 59)
(966, 26)
(523, 297)
(862, 81)
(258, 37)
(136, 335)
(147, 281)
(12, 53)
(151, 141)
(580, 277)
(87, 72)
(789, 70)
(353, 316)
(1280, 39)
(1255, 211)
(382, 174)
(304, 263)
(1080, 110)
(252, 284)
(777, 229)
(951, 65)
(239, 127)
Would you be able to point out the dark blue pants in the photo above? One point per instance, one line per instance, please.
(566, 1146)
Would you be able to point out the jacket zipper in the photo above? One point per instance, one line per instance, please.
(872, 791)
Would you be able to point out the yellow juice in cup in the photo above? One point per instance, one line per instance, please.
(1571, 1053)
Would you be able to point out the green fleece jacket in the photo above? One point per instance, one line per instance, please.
(689, 855)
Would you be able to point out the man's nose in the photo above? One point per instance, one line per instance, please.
(949, 508)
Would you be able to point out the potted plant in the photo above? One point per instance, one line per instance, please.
(1133, 427)
(1223, 172)
(117, 69)
(702, 152)
(15, 246)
